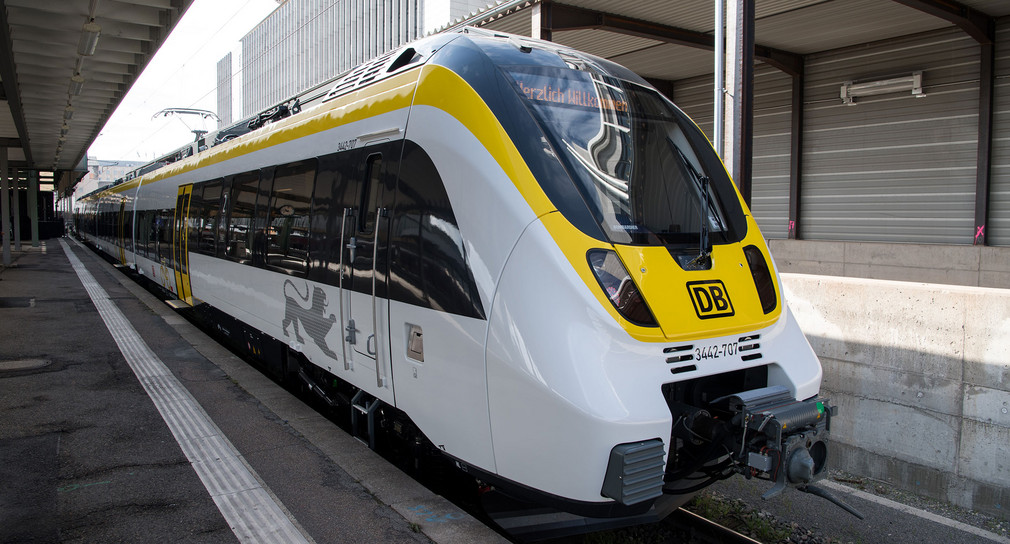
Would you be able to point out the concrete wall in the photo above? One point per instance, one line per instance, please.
(920, 371)
(977, 266)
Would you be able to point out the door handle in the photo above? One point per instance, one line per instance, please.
(380, 378)
(340, 285)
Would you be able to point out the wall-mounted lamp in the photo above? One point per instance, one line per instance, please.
(89, 38)
(68, 113)
(853, 89)
(76, 84)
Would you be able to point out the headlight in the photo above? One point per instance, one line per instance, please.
(763, 280)
(619, 287)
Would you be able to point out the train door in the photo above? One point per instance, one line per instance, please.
(180, 244)
(121, 232)
(366, 325)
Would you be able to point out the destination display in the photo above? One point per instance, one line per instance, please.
(587, 93)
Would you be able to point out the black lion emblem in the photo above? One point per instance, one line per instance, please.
(314, 318)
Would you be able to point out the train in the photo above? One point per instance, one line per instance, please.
(519, 254)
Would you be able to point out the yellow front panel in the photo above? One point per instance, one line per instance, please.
(664, 285)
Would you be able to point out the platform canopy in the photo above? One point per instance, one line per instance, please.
(65, 65)
(664, 40)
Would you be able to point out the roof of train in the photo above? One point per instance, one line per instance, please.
(502, 49)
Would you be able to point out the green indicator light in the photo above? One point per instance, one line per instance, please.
(820, 407)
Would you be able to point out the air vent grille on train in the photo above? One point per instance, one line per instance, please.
(360, 76)
(375, 70)
(680, 353)
(749, 346)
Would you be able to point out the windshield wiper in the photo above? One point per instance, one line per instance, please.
(704, 248)
(703, 245)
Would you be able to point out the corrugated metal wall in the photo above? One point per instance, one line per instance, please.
(998, 229)
(772, 136)
(694, 96)
(892, 168)
(772, 118)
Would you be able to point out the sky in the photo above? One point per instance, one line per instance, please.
(183, 74)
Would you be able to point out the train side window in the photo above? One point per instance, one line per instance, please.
(195, 214)
(112, 217)
(195, 217)
(429, 265)
(102, 220)
(324, 230)
(210, 210)
(370, 194)
(127, 219)
(290, 204)
(151, 236)
(224, 210)
(113, 220)
(164, 220)
(260, 217)
(140, 233)
(345, 189)
(244, 190)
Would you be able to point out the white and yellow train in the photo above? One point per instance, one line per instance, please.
(525, 253)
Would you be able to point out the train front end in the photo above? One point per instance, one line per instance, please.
(639, 347)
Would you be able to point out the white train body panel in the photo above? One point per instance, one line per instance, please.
(565, 382)
(446, 394)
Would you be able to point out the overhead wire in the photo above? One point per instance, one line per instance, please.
(231, 76)
(182, 65)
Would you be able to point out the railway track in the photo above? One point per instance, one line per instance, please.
(681, 527)
(704, 531)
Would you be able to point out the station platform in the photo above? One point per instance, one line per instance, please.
(122, 422)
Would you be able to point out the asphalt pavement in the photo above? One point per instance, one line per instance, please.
(86, 456)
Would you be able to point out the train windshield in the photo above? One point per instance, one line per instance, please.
(646, 172)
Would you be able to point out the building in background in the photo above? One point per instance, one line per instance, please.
(102, 174)
(306, 42)
(224, 91)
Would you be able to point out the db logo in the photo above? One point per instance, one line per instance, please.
(710, 298)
